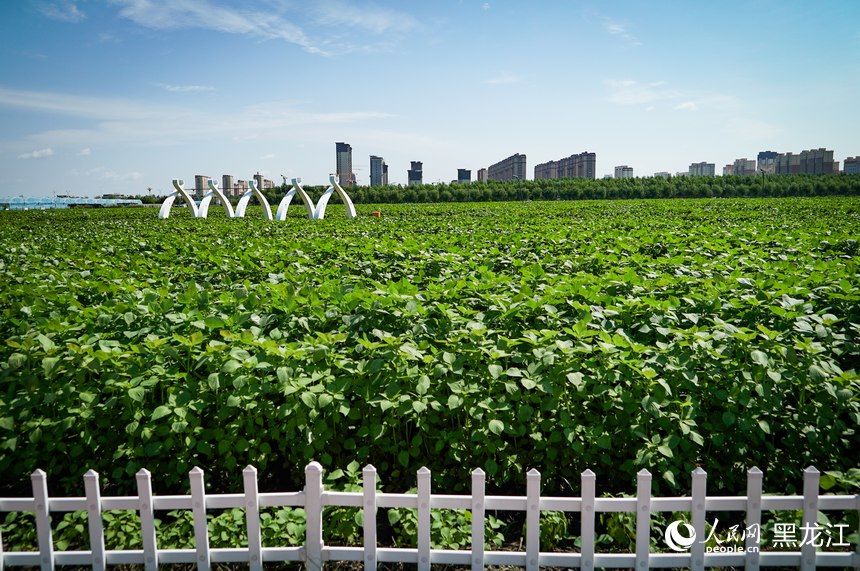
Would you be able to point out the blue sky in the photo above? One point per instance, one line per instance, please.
(121, 95)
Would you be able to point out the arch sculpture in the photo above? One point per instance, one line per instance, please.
(319, 213)
(180, 191)
(214, 193)
(297, 189)
(253, 192)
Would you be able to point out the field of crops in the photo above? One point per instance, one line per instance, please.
(560, 336)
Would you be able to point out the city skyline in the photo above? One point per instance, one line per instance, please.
(122, 95)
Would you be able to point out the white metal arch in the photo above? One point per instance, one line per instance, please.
(297, 189)
(214, 192)
(255, 192)
(319, 213)
(178, 184)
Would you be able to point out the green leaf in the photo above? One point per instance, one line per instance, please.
(213, 322)
(496, 426)
(214, 381)
(495, 371)
(418, 406)
(324, 400)
(310, 399)
(231, 366)
(760, 358)
(136, 394)
(160, 412)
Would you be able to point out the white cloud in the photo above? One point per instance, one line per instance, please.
(178, 14)
(40, 154)
(65, 11)
(85, 152)
(485, 6)
(377, 20)
(121, 121)
(687, 106)
(631, 92)
(504, 78)
(185, 88)
(267, 157)
(102, 173)
(620, 30)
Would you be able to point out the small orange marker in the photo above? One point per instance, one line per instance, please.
(375, 214)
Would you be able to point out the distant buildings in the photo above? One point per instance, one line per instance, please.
(201, 185)
(464, 176)
(702, 169)
(767, 162)
(415, 175)
(227, 185)
(623, 171)
(343, 159)
(583, 165)
(662, 174)
(851, 165)
(482, 175)
(741, 167)
(378, 171)
(818, 161)
(512, 168)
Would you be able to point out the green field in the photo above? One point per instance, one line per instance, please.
(616, 336)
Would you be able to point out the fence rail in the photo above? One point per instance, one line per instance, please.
(314, 498)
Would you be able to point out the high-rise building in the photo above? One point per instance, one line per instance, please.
(482, 175)
(623, 171)
(201, 185)
(378, 171)
(415, 174)
(743, 167)
(818, 161)
(583, 165)
(512, 168)
(241, 187)
(767, 162)
(343, 158)
(464, 176)
(664, 174)
(851, 165)
(227, 185)
(787, 163)
(702, 169)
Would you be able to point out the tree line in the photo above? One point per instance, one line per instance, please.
(587, 189)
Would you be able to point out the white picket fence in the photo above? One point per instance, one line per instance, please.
(314, 498)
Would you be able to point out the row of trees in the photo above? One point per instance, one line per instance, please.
(586, 189)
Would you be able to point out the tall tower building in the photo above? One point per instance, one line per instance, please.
(464, 176)
(227, 185)
(378, 171)
(623, 171)
(511, 168)
(415, 174)
(343, 158)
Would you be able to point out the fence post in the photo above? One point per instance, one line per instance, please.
(478, 516)
(43, 519)
(369, 516)
(697, 550)
(589, 491)
(94, 519)
(198, 510)
(752, 541)
(252, 518)
(643, 519)
(424, 519)
(147, 519)
(532, 520)
(810, 518)
(313, 517)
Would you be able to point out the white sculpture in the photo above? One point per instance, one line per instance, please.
(214, 193)
(202, 210)
(281, 213)
(243, 202)
(178, 184)
(319, 213)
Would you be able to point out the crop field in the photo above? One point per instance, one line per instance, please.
(611, 335)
